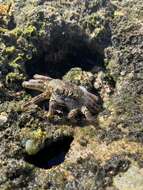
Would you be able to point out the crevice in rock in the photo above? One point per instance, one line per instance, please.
(68, 47)
(51, 154)
(45, 64)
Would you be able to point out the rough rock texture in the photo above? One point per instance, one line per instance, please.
(131, 179)
(104, 40)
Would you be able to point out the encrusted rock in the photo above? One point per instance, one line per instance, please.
(3, 118)
(32, 147)
(132, 179)
(80, 77)
(102, 85)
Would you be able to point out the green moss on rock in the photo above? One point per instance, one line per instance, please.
(10, 50)
(80, 77)
(13, 77)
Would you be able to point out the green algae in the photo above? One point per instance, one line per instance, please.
(14, 77)
(29, 31)
(16, 32)
(15, 63)
(10, 50)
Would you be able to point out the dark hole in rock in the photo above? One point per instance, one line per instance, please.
(68, 47)
(82, 58)
(52, 154)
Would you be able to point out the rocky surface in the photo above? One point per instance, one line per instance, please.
(131, 179)
(97, 44)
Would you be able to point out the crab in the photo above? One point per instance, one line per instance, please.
(59, 93)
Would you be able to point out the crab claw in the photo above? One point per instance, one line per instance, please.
(34, 85)
(41, 77)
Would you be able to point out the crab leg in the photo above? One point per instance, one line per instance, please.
(41, 77)
(36, 81)
(34, 84)
(36, 100)
(52, 108)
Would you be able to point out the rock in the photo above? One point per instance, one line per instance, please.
(103, 85)
(1, 85)
(80, 77)
(99, 80)
(51, 38)
(32, 147)
(132, 179)
(3, 118)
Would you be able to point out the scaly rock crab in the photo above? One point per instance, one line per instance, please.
(65, 94)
